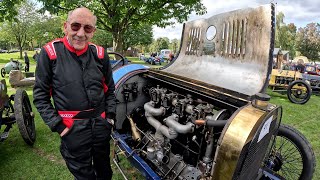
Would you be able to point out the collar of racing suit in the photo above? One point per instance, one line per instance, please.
(72, 49)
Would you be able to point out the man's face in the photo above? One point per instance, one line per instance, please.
(79, 28)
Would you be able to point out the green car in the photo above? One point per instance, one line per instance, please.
(12, 65)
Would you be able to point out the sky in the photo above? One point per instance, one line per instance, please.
(299, 12)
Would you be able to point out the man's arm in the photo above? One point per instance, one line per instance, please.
(110, 99)
(41, 94)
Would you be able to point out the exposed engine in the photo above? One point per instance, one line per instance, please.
(205, 115)
(176, 134)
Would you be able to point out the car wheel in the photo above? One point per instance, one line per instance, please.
(291, 155)
(24, 116)
(299, 92)
(3, 72)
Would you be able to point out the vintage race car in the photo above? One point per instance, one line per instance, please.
(314, 81)
(19, 112)
(312, 75)
(292, 82)
(12, 65)
(206, 114)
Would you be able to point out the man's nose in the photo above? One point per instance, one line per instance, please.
(81, 32)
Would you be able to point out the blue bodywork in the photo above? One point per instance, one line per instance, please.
(134, 159)
(124, 70)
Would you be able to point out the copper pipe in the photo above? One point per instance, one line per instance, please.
(135, 133)
(200, 122)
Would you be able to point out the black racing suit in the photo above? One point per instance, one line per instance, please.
(78, 81)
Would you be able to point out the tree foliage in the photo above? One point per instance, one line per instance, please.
(160, 43)
(141, 35)
(175, 45)
(18, 28)
(118, 16)
(5, 38)
(103, 38)
(46, 29)
(308, 41)
(8, 9)
(285, 35)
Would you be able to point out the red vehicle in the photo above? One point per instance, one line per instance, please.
(312, 69)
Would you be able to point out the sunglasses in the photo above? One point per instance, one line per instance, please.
(77, 27)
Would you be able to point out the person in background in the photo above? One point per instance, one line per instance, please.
(300, 66)
(26, 60)
(171, 57)
(285, 65)
(78, 77)
(36, 56)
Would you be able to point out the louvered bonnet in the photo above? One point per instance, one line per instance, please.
(231, 51)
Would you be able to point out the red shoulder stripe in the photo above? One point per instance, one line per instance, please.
(49, 47)
(100, 51)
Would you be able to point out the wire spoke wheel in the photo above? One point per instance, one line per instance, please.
(3, 72)
(24, 116)
(299, 92)
(291, 155)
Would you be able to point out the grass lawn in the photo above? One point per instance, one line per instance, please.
(43, 160)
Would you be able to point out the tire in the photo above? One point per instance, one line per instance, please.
(3, 72)
(291, 155)
(24, 116)
(299, 92)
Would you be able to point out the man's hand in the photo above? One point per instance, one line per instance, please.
(64, 132)
(111, 122)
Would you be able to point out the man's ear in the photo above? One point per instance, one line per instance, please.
(65, 28)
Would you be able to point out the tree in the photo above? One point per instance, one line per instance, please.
(285, 35)
(103, 38)
(5, 38)
(140, 35)
(8, 9)
(118, 16)
(160, 43)
(308, 41)
(46, 29)
(19, 27)
(175, 45)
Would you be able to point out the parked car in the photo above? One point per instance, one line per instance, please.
(3, 51)
(312, 69)
(13, 50)
(156, 60)
(165, 53)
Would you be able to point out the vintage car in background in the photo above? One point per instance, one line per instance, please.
(156, 60)
(12, 65)
(291, 82)
(206, 115)
(288, 79)
(20, 112)
(312, 69)
(312, 75)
